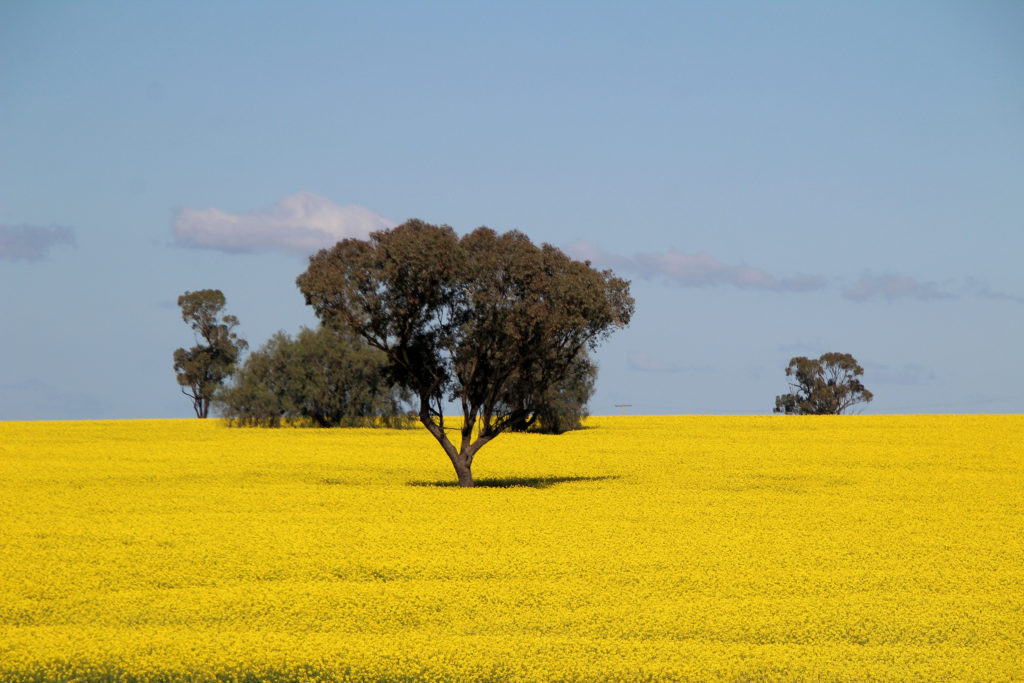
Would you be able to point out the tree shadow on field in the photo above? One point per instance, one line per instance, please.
(515, 482)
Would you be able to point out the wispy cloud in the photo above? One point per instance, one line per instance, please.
(32, 242)
(704, 270)
(908, 374)
(892, 287)
(302, 222)
(641, 361)
(984, 291)
(582, 250)
(695, 269)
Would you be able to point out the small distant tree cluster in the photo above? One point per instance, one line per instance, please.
(202, 369)
(828, 385)
(322, 377)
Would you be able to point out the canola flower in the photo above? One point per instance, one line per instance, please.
(847, 548)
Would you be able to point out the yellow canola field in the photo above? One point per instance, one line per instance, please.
(641, 548)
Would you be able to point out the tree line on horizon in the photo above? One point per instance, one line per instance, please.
(415, 319)
(324, 377)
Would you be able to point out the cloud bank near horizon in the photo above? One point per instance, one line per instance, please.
(704, 270)
(301, 222)
(695, 270)
(892, 287)
(32, 242)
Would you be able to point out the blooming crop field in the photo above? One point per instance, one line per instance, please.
(641, 548)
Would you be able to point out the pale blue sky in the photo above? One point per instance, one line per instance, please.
(777, 179)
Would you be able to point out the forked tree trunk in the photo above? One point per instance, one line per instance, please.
(462, 460)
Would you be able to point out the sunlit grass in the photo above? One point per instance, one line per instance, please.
(687, 548)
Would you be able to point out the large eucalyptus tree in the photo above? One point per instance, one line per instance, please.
(488, 321)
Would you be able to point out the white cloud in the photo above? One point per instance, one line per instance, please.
(695, 270)
(302, 222)
(891, 287)
(581, 250)
(704, 270)
(32, 242)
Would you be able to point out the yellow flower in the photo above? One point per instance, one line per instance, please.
(641, 548)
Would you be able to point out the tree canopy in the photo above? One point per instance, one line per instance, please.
(323, 377)
(829, 385)
(203, 368)
(489, 321)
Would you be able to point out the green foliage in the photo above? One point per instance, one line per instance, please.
(322, 377)
(202, 369)
(565, 405)
(826, 386)
(491, 322)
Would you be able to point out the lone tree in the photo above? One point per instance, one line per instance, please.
(826, 386)
(204, 367)
(487, 321)
(322, 377)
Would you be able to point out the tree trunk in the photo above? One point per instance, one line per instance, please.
(461, 461)
(464, 473)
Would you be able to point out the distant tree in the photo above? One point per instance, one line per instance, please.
(322, 377)
(488, 321)
(829, 385)
(565, 405)
(204, 367)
